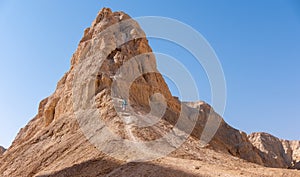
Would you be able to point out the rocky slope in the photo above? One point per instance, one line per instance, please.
(70, 135)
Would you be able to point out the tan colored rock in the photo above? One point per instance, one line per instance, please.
(292, 149)
(276, 152)
(295, 147)
(196, 105)
(111, 59)
(272, 149)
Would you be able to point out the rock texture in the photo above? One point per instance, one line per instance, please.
(55, 142)
(295, 148)
(281, 153)
(2, 150)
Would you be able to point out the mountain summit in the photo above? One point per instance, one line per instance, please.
(112, 114)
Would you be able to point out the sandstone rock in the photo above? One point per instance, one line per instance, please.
(292, 150)
(295, 148)
(53, 140)
(276, 152)
(272, 149)
(113, 61)
(196, 105)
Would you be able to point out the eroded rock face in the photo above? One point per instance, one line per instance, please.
(272, 148)
(279, 153)
(54, 143)
(295, 148)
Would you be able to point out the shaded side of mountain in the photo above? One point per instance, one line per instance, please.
(101, 168)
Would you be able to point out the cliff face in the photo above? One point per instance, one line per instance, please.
(280, 153)
(72, 133)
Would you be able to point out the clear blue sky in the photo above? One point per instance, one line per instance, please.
(257, 42)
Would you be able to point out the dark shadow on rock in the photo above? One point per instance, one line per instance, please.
(2, 150)
(148, 169)
(296, 165)
(106, 168)
(89, 168)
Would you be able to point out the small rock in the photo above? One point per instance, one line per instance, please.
(196, 167)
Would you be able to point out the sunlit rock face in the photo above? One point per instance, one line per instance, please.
(114, 62)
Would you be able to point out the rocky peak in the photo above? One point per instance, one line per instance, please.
(114, 61)
(112, 40)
